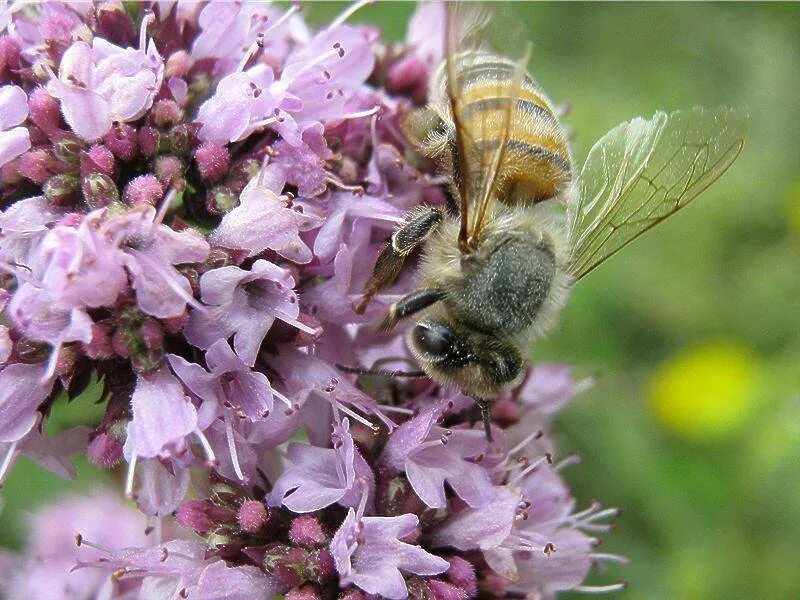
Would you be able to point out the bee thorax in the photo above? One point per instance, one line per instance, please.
(502, 288)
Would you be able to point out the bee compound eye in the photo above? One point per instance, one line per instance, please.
(434, 339)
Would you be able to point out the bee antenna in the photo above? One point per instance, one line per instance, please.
(380, 372)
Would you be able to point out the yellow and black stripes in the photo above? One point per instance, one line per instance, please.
(537, 163)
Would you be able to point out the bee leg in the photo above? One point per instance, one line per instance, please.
(419, 225)
(410, 304)
(483, 406)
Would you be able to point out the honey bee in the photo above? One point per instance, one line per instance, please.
(496, 270)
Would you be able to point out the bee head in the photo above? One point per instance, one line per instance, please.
(481, 366)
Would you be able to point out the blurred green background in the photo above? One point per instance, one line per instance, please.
(693, 426)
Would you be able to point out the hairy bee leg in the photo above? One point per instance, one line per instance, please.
(410, 304)
(420, 224)
(483, 406)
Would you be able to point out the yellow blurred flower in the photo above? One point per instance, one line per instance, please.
(706, 391)
(793, 206)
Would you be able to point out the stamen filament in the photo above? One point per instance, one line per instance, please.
(601, 589)
(232, 449)
(211, 458)
(8, 459)
(283, 18)
(348, 12)
(355, 415)
(129, 476)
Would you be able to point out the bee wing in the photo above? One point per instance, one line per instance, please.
(642, 172)
(469, 33)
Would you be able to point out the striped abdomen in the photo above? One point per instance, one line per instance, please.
(537, 164)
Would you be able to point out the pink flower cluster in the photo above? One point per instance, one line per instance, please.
(193, 195)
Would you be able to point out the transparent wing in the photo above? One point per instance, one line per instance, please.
(643, 171)
(479, 139)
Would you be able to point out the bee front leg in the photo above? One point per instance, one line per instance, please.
(410, 304)
(483, 406)
(419, 225)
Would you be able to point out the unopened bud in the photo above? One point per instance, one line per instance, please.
(287, 564)
(9, 56)
(220, 200)
(105, 450)
(68, 149)
(151, 334)
(114, 24)
(61, 190)
(462, 574)
(309, 591)
(252, 516)
(241, 172)
(352, 594)
(307, 531)
(169, 171)
(31, 352)
(166, 113)
(441, 590)
(97, 159)
(99, 190)
(144, 189)
(148, 138)
(203, 516)
(174, 325)
(181, 139)
(122, 141)
(100, 345)
(43, 110)
(213, 161)
(178, 64)
(39, 165)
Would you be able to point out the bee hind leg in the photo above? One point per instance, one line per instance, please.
(419, 224)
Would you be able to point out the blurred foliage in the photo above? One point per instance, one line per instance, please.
(694, 425)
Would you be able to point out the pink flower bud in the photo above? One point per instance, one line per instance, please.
(306, 592)
(440, 590)
(323, 568)
(97, 159)
(114, 24)
(166, 113)
(100, 347)
(174, 325)
(290, 566)
(410, 76)
(307, 531)
(220, 200)
(178, 64)
(43, 110)
(252, 515)
(148, 138)
(68, 149)
(151, 334)
(61, 190)
(462, 574)
(144, 189)
(99, 190)
(39, 166)
(9, 56)
(241, 173)
(182, 139)
(196, 514)
(352, 594)
(122, 141)
(213, 161)
(104, 450)
(169, 171)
